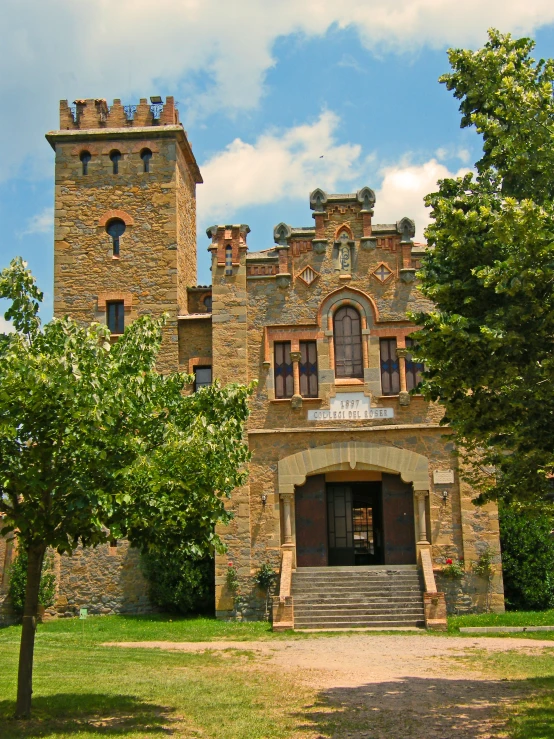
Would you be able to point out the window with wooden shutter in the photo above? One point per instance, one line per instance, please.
(308, 369)
(390, 370)
(348, 343)
(413, 369)
(284, 382)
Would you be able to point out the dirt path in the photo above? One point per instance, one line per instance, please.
(388, 687)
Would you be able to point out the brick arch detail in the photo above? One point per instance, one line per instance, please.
(109, 214)
(348, 296)
(412, 467)
(343, 228)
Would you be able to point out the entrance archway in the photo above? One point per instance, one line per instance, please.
(302, 469)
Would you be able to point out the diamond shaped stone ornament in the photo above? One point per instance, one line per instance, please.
(382, 272)
(308, 275)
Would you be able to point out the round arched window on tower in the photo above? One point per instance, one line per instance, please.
(115, 156)
(146, 156)
(85, 158)
(115, 228)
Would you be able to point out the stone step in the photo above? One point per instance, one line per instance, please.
(340, 597)
(345, 592)
(341, 624)
(355, 570)
(357, 613)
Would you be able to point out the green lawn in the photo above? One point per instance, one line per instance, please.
(510, 618)
(531, 717)
(83, 689)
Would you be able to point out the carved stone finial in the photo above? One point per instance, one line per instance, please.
(406, 227)
(318, 200)
(282, 233)
(366, 197)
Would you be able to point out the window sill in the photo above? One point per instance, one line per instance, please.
(304, 400)
(349, 381)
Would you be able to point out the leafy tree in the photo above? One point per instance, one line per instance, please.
(180, 583)
(489, 342)
(94, 444)
(18, 583)
(527, 556)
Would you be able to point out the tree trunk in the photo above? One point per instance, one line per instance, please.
(25, 675)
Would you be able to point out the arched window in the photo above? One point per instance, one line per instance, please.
(85, 158)
(146, 156)
(208, 303)
(347, 330)
(115, 156)
(116, 229)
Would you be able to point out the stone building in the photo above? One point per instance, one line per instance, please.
(354, 492)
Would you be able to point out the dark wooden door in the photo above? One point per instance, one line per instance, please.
(398, 521)
(311, 523)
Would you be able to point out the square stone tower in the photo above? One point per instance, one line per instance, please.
(125, 215)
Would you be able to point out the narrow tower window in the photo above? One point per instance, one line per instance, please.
(85, 158)
(348, 343)
(228, 260)
(116, 316)
(115, 156)
(116, 229)
(202, 377)
(146, 156)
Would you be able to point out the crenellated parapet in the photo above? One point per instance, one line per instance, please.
(94, 113)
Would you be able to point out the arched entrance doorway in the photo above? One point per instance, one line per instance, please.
(353, 503)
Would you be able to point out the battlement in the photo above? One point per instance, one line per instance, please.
(95, 113)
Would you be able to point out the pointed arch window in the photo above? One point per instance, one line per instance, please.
(347, 331)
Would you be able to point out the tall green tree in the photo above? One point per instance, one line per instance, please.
(489, 343)
(94, 443)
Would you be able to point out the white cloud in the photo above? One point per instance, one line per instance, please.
(40, 223)
(5, 326)
(286, 164)
(213, 54)
(290, 164)
(402, 191)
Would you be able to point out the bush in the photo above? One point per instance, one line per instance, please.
(527, 557)
(178, 583)
(18, 583)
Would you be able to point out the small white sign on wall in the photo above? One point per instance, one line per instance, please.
(350, 407)
(443, 477)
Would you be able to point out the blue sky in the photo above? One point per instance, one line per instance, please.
(277, 98)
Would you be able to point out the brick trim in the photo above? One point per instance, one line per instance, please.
(196, 361)
(104, 298)
(327, 305)
(109, 214)
(91, 148)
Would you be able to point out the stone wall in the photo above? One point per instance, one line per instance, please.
(106, 580)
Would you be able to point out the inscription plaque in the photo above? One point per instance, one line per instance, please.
(443, 477)
(350, 407)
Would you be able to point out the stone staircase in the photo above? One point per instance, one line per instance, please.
(380, 596)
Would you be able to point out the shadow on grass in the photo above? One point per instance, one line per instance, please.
(428, 708)
(92, 713)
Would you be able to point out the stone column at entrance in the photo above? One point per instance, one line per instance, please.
(421, 497)
(287, 519)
